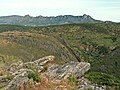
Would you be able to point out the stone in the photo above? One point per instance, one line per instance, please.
(21, 70)
(44, 60)
(37, 64)
(64, 71)
(20, 78)
(30, 65)
(15, 66)
(91, 87)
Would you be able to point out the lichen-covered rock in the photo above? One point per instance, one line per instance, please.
(21, 70)
(64, 71)
(30, 65)
(20, 78)
(44, 60)
(15, 66)
(37, 64)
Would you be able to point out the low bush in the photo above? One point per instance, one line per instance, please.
(103, 79)
(73, 80)
(35, 76)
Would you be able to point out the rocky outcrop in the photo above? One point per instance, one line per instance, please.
(15, 66)
(64, 71)
(19, 79)
(21, 70)
(37, 64)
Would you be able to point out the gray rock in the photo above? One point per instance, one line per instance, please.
(15, 66)
(30, 65)
(37, 64)
(20, 78)
(44, 60)
(55, 71)
(91, 87)
(21, 75)
(64, 71)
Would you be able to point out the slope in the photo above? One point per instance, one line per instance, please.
(96, 43)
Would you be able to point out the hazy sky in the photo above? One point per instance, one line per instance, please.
(98, 9)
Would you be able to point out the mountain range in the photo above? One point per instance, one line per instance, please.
(28, 20)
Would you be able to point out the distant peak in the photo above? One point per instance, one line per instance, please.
(86, 16)
(27, 15)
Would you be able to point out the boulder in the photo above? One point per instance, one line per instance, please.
(64, 71)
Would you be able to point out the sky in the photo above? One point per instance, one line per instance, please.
(98, 9)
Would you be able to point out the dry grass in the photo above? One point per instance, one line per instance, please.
(47, 84)
(53, 84)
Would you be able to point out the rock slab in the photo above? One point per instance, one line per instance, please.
(64, 71)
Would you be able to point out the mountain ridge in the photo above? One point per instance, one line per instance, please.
(28, 20)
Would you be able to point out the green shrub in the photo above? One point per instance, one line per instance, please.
(34, 76)
(103, 79)
(9, 77)
(73, 80)
(103, 50)
(114, 39)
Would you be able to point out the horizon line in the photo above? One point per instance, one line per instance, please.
(56, 16)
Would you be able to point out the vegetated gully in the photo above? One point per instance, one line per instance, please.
(68, 47)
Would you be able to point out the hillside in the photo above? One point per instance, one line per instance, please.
(28, 20)
(96, 43)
